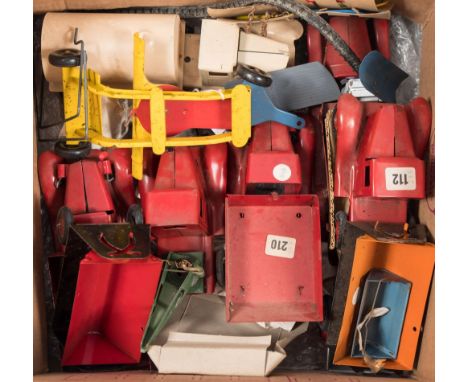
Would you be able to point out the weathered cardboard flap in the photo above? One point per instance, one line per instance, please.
(367, 5)
(198, 340)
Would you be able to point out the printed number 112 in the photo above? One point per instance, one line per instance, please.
(400, 179)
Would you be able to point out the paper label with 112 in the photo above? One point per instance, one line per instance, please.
(280, 246)
(400, 178)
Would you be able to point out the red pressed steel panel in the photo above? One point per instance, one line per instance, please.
(314, 44)
(280, 139)
(420, 120)
(237, 168)
(94, 218)
(348, 123)
(75, 196)
(113, 299)
(271, 147)
(122, 171)
(53, 197)
(261, 287)
(305, 147)
(378, 134)
(382, 210)
(172, 207)
(380, 185)
(98, 197)
(354, 31)
(176, 197)
(184, 115)
(260, 167)
(215, 162)
(382, 36)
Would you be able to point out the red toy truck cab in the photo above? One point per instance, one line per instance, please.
(182, 198)
(379, 157)
(97, 189)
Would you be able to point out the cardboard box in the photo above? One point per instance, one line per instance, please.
(421, 11)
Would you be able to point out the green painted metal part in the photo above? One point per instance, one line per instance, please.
(173, 287)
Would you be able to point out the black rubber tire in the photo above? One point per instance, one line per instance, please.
(254, 75)
(65, 58)
(63, 224)
(221, 266)
(72, 152)
(135, 214)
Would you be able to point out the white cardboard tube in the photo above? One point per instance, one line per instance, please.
(108, 41)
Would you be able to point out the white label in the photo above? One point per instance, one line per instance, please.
(280, 246)
(282, 172)
(400, 178)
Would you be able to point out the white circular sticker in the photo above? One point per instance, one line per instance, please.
(282, 172)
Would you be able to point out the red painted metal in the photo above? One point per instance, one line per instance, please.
(176, 197)
(357, 34)
(305, 147)
(271, 147)
(113, 299)
(47, 164)
(123, 180)
(374, 139)
(260, 287)
(376, 186)
(354, 31)
(314, 44)
(215, 162)
(82, 186)
(237, 169)
(382, 36)
(183, 201)
(184, 115)
(419, 115)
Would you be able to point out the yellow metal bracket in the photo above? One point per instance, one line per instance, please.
(145, 90)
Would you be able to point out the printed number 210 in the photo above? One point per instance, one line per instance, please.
(279, 245)
(400, 179)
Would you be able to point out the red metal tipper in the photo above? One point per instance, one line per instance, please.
(273, 250)
(107, 288)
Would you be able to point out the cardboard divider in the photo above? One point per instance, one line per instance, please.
(421, 11)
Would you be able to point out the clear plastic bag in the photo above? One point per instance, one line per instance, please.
(405, 46)
(116, 117)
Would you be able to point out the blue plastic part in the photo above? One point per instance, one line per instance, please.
(302, 86)
(381, 337)
(263, 109)
(380, 76)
